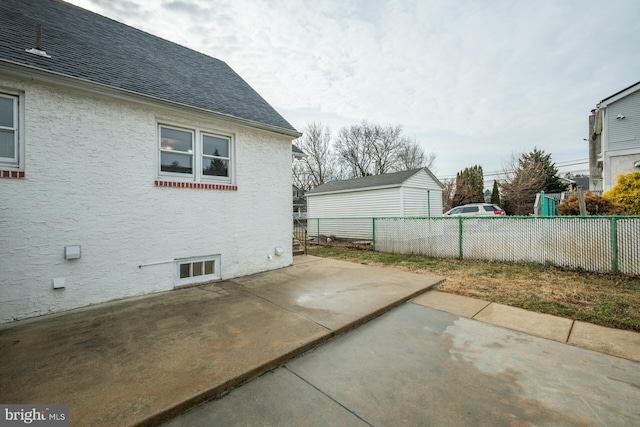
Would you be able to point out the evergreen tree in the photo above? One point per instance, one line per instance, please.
(495, 194)
(469, 186)
(552, 182)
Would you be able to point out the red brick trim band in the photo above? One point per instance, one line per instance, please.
(198, 185)
(11, 174)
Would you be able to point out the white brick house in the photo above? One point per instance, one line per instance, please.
(159, 178)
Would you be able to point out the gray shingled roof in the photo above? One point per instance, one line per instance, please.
(89, 46)
(387, 179)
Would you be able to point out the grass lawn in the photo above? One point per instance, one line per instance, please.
(603, 299)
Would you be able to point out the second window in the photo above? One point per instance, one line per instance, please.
(195, 155)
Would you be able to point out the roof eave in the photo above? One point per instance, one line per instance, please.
(619, 95)
(351, 190)
(16, 69)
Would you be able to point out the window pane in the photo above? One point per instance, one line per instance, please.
(214, 146)
(185, 270)
(469, 209)
(174, 162)
(208, 267)
(7, 144)
(6, 112)
(197, 268)
(215, 167)
(177, 140)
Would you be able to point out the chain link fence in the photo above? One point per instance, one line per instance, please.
(599, 244)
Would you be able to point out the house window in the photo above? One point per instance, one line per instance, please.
(197, 270)
(215, 155)
(9, 138)
(176, 151)
(193, 155)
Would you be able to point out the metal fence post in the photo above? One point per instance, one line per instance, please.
(318, 231)
(373, 229)
(460, 236)
(614, 244)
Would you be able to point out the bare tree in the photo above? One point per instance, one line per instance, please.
(412, 156)
(370, 149)
(353, 147)
(384, 150)
(448, 192)
(525, 178)
(319, 165)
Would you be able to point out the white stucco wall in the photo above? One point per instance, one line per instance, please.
(90, 167)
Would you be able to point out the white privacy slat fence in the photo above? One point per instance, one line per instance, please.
(600, 244)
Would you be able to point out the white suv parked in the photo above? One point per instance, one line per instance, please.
(476, 209)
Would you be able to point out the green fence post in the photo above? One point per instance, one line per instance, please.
(373, 228)
(460, 236)
(614, 244)
(318, 230)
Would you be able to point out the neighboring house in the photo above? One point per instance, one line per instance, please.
(299, 203)
(582, 182)
(297, 153)
(129, 164)
(411, 193)
(614, 138)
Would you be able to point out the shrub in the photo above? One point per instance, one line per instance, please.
(596, 205)
(626, 193)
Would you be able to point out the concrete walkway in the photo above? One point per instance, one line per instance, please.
(616, 342)
(141, 361)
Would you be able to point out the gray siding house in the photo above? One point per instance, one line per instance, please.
(614, 144)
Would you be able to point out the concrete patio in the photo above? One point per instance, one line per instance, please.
(143, 360)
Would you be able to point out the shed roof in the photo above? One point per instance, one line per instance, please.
(90, 47)
(384, 180)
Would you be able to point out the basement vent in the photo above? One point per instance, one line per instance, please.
(197, 270)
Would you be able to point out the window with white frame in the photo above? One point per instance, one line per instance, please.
(197, 270)
(9, 137)
(194, 155)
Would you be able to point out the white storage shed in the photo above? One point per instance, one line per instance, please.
(346, 207)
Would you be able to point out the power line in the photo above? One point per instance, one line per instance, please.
(504, 172)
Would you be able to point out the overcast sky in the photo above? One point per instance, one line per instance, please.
(472, 81)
